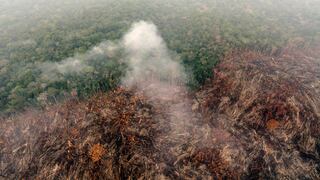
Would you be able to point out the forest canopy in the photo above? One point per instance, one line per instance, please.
(36, 35)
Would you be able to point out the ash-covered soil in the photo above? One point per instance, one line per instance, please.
(257, 118)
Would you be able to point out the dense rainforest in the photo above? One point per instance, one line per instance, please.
(35, 35)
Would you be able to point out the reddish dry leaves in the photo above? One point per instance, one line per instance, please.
(216, 165)
(97, 152)
(273, 124)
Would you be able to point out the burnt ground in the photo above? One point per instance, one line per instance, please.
(271, 104)
(257, 118)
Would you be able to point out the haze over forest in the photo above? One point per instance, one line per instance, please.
(226, 88)
(36, 35)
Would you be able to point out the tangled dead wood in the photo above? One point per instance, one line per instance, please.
(271, 104)
(114, 136)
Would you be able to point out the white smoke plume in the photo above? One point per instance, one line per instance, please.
(70, 65)
(79, 64)
(148, 57)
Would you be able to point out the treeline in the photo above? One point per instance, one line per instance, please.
(200, 32)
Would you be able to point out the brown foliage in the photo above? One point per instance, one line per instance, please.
(271, 104)
(216, 165)
(96, 152)
(272, 124)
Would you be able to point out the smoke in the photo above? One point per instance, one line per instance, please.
(152, 68)
(79, 64)
(148, 57)
(50, 71)
(145, 53)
